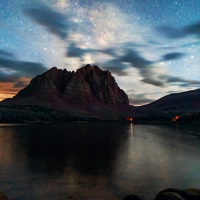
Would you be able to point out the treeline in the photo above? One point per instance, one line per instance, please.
(190, 116)
(163, 115)
(33, 114)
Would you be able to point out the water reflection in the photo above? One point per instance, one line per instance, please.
(97, 160)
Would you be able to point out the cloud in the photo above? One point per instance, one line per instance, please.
(6, 53)
(175, 79)
(172, 56)
(171, 32)
(177, 33)
(21, 68)
(11, 87)
(62, 4)
(108, 51)
(152, 81)
(150, 71)
(193, 29)
(16, 74)
(115, 67)
(55, 22)
(134, 44)
(132, 56)
(140, 101)
(74, 51)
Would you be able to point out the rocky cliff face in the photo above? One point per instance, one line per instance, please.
(87, 85)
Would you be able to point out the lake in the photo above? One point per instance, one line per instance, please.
(97, 160)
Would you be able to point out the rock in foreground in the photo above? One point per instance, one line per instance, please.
(3, 196)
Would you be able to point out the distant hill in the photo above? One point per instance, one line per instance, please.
(186, 105)
(189, 100)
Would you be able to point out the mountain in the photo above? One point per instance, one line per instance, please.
(184, 107)
(184, 101)
(87, 92)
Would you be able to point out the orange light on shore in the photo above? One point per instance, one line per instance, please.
(175, 118)
(130, 119)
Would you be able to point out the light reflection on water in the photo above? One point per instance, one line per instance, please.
(97, 160)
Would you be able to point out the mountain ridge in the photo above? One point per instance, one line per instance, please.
(92, 93)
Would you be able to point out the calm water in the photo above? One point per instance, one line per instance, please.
(97, 160)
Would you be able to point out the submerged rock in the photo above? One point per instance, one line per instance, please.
(169, 196)
(173, 194)
(134, 197)
(191, 194)
(174, 190)
(72, 197)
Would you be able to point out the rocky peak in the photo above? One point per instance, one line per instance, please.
(87, 85)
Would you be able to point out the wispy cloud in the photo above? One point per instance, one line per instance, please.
(172, 56)
(55, 22)
(151, 72)
(177, 33)
(6, 53)
(16, 74)
(20, 68)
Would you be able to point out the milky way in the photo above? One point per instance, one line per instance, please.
(150, 46)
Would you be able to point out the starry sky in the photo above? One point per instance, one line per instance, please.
(151, 47)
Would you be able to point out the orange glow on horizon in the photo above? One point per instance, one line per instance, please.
(8, 89)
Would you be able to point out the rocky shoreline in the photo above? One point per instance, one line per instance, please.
(166, 194)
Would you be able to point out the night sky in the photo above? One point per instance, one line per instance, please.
(151, 47)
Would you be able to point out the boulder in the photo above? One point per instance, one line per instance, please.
(174, 190)
(169, 196)
(3, 196)
(191, 194)
(134, 197)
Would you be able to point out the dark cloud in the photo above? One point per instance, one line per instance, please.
(171, 32)
(172, 56)
(6, 53)
(23, 68)
(176, 79)
(176, 33)
(193, 29)
(172, 79)
(115, 67)
(133, 44)
(117, 70)
(131, 56)
(112, 65)
(74, 51)
(149, 80)
(56, 23)
(150, 72)
(17, 72)
(108, 51)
